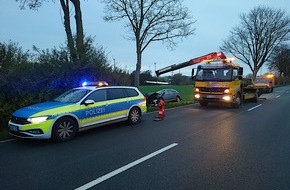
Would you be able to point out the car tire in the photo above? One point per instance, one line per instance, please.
(64, 129)
(178, 99)
(134, 115)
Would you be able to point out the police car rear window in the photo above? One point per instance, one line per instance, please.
(131, 92)
(116, 93)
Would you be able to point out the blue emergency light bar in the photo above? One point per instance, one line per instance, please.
(98, 84)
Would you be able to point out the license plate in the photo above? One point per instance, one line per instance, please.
(13, 128)
(210, 96)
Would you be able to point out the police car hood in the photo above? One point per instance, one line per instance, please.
(35, 108)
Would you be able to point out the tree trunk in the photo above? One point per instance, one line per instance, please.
(138, 65)
(255, 71)
(79, 29)
(70, 41)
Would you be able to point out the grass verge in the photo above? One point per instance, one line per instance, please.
(4, 135)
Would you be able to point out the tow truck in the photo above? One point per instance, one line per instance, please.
(265, 83)
(219, 80)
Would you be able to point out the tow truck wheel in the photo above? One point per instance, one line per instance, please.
(256, 97)
(270, 90)
(134, 115)
(203, 103)
(259, 92)
(238, 102)
(64, 129)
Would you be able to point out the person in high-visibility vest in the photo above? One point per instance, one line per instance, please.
(161, 108)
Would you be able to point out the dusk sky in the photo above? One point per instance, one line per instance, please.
(44, 29)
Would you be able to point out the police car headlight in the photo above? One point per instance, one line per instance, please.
(36, 120)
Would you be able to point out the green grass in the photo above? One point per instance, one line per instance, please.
(4, 134)
(186, 92)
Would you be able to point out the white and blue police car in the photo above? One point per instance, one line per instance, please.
(80, 108)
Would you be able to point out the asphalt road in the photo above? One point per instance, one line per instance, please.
(193, 148)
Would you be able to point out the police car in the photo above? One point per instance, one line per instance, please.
(77, 109)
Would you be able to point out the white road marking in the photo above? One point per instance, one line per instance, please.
(278, 96)
(5, 141)
(254, 107)
(124, 168)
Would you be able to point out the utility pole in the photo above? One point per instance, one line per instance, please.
(155, 69)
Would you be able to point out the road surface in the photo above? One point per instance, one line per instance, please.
(217, 147)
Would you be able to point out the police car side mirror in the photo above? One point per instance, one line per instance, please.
(88, 102)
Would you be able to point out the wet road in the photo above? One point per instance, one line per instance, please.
(193, 148)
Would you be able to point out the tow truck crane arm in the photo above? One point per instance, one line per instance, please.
(211, 56)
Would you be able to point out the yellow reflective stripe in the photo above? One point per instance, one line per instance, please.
(118, 113)
(102, 117)
(94, 119)
(44, 126)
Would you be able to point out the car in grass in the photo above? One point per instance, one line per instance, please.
(168, 95)
(76, 110)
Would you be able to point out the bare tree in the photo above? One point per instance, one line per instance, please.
(280, 60)
(76, 47)
(149, 21)
(259, 32)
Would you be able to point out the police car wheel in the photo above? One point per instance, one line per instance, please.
(134, 115)
(64, 129)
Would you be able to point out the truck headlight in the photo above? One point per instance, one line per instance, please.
(227, 91)
(197, 96)
(227, 98)
(36, 120)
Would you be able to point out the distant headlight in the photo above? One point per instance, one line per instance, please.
(35, 120)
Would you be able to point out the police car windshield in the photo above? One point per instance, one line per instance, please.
(72, 96)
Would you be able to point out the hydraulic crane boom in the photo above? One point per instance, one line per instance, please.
(211, 56)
